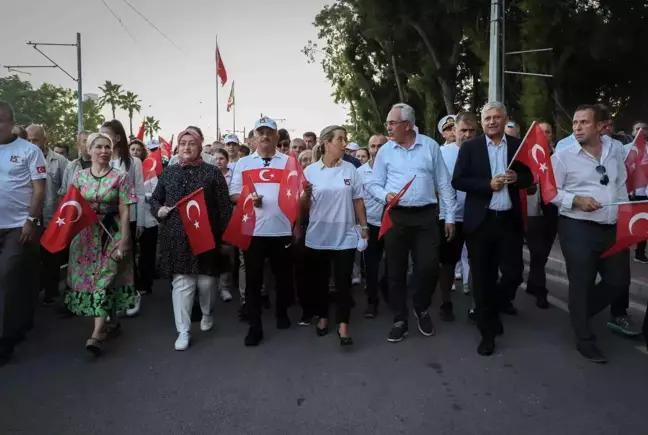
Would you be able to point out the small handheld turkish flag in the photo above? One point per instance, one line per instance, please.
(73, 215)
(632, 227)
(534, 152)
(166, 148)
(152, 165)
(636, 164)
(141, 132)
(263, 175)
(193, 213)
(386, 223)
(240, 229)
(291, 187)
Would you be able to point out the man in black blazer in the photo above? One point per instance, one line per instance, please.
(493, 222)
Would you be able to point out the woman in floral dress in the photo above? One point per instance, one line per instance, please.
(100, 268)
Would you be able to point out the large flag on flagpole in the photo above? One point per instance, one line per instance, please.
(141, 132)
(231, 100)
(220, 67)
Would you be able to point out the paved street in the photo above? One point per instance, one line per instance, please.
(296, 383)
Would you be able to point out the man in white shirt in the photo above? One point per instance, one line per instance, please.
(233, 148)
(590, 176)
(374, 252)
(446, 128)
(22, 196)
(410, 156)
(56, 165)
(272, 237)
(607, 130)
(465, 128)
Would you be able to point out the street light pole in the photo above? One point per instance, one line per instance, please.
(495, 53)
(79, 85)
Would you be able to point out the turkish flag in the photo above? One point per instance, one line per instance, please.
(152, 165)
(263, 175)
(291, 187)
(166, 147)
(386, 223)
(240, 228)
(535, 153)
(632, 227)
(193, 212)
(140, 133)
(73, 215)
(220, 68)
(636, 164)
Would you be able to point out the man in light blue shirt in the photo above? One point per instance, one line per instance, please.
(412, 156)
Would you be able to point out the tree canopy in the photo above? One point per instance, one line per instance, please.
(433, 55)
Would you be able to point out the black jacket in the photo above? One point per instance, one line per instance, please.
(472, 174)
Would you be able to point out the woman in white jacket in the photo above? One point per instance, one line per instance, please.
(122, 160)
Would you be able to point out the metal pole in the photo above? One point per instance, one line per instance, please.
(234, 116)
(79, 84)
(494, 61)
(217, 114)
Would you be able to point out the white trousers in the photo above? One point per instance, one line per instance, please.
(184, 288)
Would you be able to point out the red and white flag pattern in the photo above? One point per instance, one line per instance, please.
(632, 227)
(152, 165)
(141, 132)
(291, 187)
(386, 223)
(637, 164)
(72, 216)
(220, 68)
(194, 216)
(240, 228)
(535, 153)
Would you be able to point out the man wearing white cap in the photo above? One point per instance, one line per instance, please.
(272, 236)
(233, 147)
(352, 149)
(446, 128)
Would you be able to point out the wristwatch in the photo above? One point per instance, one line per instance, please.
(34, 220)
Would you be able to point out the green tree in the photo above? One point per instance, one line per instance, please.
(112, 96)
(131, 103)
(151, 126)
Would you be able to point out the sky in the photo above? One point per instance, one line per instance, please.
(260, 44)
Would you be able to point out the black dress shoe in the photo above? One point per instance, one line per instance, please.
(591, 352)
(254, 337)
(345, 341)
(487, 346)
(498, 328)
(283, 323)
(542, 302)
(508, 308)
(321, 332)
(446, 312)
(371, 312)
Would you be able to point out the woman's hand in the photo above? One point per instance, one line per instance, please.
(164, 211)
(364, 233)
(123, 247)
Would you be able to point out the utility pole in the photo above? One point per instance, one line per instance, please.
(495, 61)
(78, 79)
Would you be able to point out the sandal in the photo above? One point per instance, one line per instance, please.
(94, 346)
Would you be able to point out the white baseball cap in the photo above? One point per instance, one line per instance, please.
(353, 146)
(152, 144)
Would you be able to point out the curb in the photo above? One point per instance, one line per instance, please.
(556, 268)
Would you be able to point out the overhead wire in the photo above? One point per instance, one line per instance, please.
(118, 19)
(153, 25)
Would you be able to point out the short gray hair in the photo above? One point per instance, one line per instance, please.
(493, 105)
(407, 112)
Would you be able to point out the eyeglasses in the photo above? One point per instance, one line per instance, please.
(605, 180)
(393, 123)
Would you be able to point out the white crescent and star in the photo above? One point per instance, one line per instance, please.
(635, 219)
(248, 198)
(74, 204)
(291, 174)
(262, 175)
(534, 154)
(190, 204)
(154, 166)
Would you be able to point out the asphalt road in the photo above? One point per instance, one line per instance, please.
(297, 383)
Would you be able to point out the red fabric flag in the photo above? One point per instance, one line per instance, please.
(220, 68)
(630, 228)
(152, 165)
(636, 164)
(291, 187)
(534, 152)
(386, 223)
(196, 222)
(263, 175)
(140, 133)
(73, 215)
(166, 147)
(240, 229)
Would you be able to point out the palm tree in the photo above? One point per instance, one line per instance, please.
(131, 103)
(112, 96)
(151, 126)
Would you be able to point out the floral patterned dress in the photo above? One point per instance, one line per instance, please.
(97, 283)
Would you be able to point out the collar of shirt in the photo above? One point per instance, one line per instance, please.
(256, 155)
(606, 141)
(490, 141)
(417, 141)
(323, 166)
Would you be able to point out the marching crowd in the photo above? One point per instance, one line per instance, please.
(400, 207)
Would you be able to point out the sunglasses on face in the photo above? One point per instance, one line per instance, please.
(605, 180)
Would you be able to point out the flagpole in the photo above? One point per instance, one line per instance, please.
(234, 113)
(521, 143)
(624, 203)
(217, 64)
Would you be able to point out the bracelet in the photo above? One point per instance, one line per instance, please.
(364, 227)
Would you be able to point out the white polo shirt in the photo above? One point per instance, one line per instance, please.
(450, 152)
(21, 162)
(332, 216)
(270, 220)
(374, 206)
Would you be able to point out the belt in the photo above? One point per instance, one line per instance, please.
(414, 208)
(590, 223)
(499, 213)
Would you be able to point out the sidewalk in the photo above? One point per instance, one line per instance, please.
(639, 272)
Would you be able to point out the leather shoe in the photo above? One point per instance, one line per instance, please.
(542, 302)
(254, 337)
(487, 346)
(508, 308)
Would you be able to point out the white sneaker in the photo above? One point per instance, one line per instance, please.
(225, 295)
(131, 312)
(458, 275)
(356, 281)
(454, 287)
(206, 323)
(182, 343)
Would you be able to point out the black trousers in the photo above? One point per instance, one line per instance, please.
(277, 250)
(146, 259)
(414, 231)
(540, 236)
(641, 246)
(496, 245)
(582, 243)
(302, 278)
(372, 258)
(319, 262)
(51, 271)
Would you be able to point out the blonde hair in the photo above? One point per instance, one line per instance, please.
(94, 136)
(317, 152)
(325, 136)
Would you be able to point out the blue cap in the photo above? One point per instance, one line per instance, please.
(265, 122)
